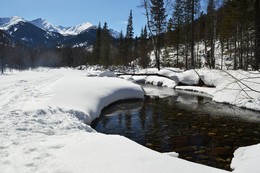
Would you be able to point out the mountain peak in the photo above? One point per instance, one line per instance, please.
(47, 26)
(77, 29)
(7, 22)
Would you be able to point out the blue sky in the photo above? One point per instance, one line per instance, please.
(74, 12)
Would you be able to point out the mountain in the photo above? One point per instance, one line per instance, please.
(7, 22)
(40, 32)
(66, 31)
(31, 35)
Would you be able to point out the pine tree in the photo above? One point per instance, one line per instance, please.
(97, 46)
(129, 41)
(169, 36)
(158, 27)
(191, 9)
(129, 28)
(178, 17)
(257, 34)
(211, 28)
(144, 58)
(121, 48)
(105, 46)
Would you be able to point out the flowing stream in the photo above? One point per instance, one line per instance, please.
(197, 128)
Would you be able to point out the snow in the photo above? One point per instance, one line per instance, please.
(43, 115)
(42, 126)
(160, 81)
(246, 159)
(7, 22)
(77, 29)
(239, 88)
(47, 26)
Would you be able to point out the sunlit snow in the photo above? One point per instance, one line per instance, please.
(43, 127)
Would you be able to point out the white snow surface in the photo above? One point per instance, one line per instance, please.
(47, 26)
(7, 22)
(42, 130)
(246, 159)
(239, 88)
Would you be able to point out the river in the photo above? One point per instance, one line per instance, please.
(197, 128)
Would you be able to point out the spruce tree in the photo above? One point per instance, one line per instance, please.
(121, 48)
(191, 8)
(97, 45)
(211, 29)
(129, 28)
(129, 41)
(257, 34)
(158, 27)
(178, 20)
(105, 46)
(144, 58)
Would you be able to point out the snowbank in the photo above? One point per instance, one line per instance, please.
(246, 159)
(237, 88)
(42, 129)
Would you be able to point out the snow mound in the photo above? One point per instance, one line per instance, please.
(160, 81)
(189, 77)
(107, 74)
(246, 159)
(42, 130)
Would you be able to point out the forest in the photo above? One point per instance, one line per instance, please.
(177, 34)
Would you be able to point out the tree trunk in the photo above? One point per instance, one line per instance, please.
(192, 36)
(257, 34)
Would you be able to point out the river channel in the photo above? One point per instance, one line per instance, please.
(197, 128)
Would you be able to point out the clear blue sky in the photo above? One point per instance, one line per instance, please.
(74, 12)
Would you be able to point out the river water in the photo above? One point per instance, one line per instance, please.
(197, 128)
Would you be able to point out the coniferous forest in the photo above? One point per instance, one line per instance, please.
(178, 33)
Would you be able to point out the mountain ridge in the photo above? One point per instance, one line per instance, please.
(7, 22)
(66, 31)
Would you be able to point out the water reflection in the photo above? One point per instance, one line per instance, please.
(195, 127)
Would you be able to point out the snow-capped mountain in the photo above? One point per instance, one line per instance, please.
(7, 22)
(40, 32)
(47, 26)
(76, 29)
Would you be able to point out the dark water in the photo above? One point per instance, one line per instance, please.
(195, 127)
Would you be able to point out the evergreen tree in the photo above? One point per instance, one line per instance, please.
(105, 46)
(158, 27)
(129, 41)
(195, 8)
(121, 48)
(169, 36)
(211, 31)
(129, 28)
(97, 45)
(169, 41)
(178, 16)
(144, 58)
(257, 34)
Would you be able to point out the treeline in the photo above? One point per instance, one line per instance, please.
(21, 57)
(226, 25)
(126, 50)
(178, 33)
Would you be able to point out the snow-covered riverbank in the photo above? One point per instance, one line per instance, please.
(42, 126)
